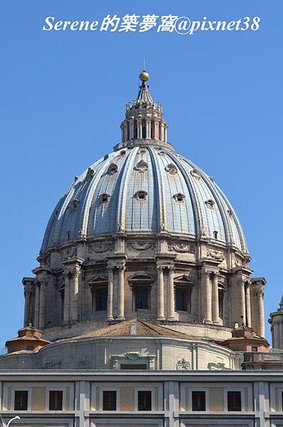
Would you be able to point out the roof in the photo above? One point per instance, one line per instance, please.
(132, 328)
(144, 190)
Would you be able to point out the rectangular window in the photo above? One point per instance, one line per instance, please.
(101, 299)
(198, 401)
(144, 400)
(180, 299)
(129, 366)
(234, 401)
(21, 400)
(141, 298)
(55, 400)
(109, 400)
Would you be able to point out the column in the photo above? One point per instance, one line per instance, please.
(162, 132)
(171, 314)
(207, 297)
(27, 294)
(36, 306)
(148, 129)
(121, 295)
(166, 134)
(139, 129)
(215, 299)
(156, 130)
(248, 305)
(242, 307)
(160, 293)
(261, 313)
(66, 314)
(131, 130)
(74, 287)
(42, 304)
(110, 294)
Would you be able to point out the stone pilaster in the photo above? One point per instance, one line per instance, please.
(36, 305)
(121, 294)
(160, 293)
(110, 293)
(248, 305)
(74, 294)
(28, 289)
(206, 297)
(261, 329)
(42, 296)
(66, 314)
(171, 313)
(215, 298)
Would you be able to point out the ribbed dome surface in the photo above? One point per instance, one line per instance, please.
(144, 189)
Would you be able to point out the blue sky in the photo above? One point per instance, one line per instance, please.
(62, 101)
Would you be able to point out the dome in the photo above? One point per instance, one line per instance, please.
(144, 189)
(144, 234)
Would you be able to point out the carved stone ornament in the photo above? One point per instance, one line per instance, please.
(141, 245)
(212, 253)
(69, 253)
(141, 166)
(216, 366)
(182, 247)
(183, 365)
(84, 364)
(171, 168)
(133, 355)
(100, 247)
(52, 364)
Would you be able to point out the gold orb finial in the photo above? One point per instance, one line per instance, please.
(144, 76)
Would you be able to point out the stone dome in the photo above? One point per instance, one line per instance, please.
(144, 189)
(144, 234)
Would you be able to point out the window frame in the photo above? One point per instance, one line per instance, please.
(57, 391)
(64, 396)
(241, 401)
(151, 400)
(145, 287)
(22, 389)
(155, 403)
(205, 400)
(109, 388)
(235, 388)
(109, 391)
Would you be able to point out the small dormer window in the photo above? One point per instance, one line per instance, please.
(90, 172)
(215, 235)
(75, 203)
(104, 197)
(171, 168)
(230, 212)
(112, 169)
(141, 166)
(210, 203)
(195, 173)
(141, 195)
(123, 152)
(179, 197)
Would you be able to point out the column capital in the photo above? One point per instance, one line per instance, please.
(121, 266)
